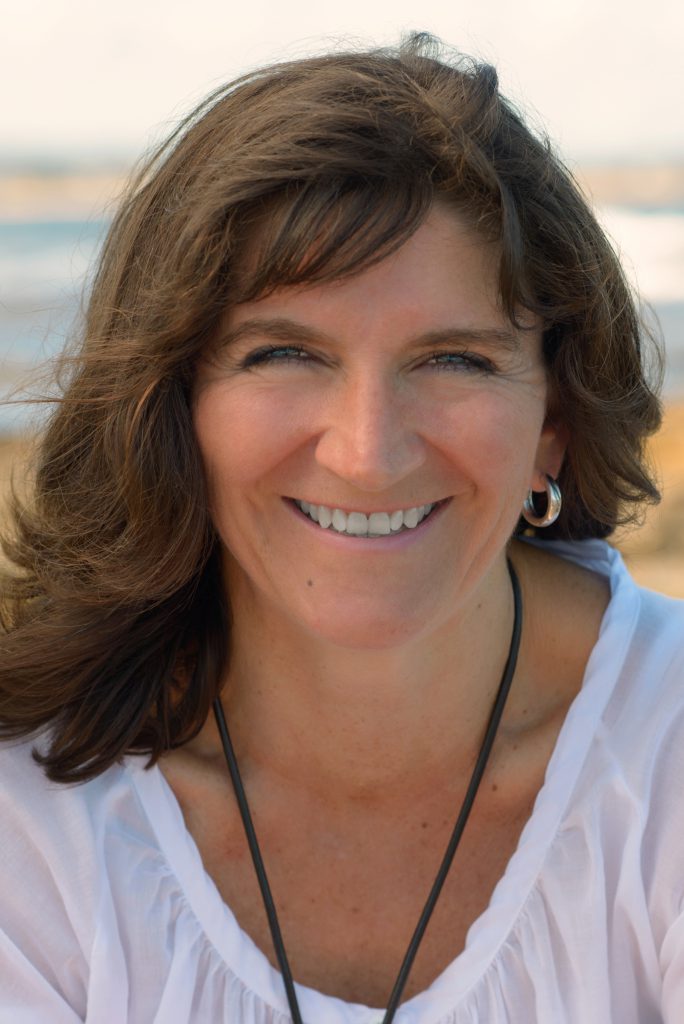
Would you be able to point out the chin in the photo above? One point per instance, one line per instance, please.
(373, 631)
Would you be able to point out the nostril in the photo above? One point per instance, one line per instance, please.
(371, 460)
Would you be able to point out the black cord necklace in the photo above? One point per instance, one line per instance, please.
(473, 785)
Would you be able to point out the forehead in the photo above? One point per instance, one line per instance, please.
(444, 275)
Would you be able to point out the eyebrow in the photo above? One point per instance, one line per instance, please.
(284, 329)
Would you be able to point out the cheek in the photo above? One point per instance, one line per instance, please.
(243, 436)
(493, 436)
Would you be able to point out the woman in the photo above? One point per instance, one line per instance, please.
(354, 331)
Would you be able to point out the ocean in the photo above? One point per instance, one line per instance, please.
(44, 268)
(43, 275)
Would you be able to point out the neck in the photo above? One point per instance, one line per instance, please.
(365, 722)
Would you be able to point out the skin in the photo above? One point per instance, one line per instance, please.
(357, 723)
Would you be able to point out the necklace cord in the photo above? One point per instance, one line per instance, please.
(266, 895)
(469, 799)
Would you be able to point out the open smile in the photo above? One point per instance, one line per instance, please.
(371, 525)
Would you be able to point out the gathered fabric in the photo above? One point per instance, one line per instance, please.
(107, 915)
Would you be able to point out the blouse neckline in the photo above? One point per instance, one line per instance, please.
(490, 931)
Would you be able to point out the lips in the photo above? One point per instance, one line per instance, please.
(360, 524)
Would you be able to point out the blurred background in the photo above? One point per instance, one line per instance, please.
(88, 88)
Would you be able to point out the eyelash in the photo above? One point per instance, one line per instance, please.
(470, 361)
(442, 361)
(269, 354)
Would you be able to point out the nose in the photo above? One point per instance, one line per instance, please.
(369, 438)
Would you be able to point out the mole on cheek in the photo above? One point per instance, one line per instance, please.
(309, 583)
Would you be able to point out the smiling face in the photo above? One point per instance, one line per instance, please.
(369, 442)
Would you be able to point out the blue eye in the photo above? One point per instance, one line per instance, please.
(275, 354)
(468, 361)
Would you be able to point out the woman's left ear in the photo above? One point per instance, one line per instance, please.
(553, 442)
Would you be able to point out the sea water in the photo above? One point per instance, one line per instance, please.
(45, 269)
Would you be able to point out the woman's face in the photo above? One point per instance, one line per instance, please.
(403, 407)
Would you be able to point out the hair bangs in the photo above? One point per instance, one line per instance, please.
(324, 232)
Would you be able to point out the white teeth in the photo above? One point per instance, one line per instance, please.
(411, 517)
(358, 524)
(339, 520)
(379, 523)
(396, 520)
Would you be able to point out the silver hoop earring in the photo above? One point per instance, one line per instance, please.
(553, 505)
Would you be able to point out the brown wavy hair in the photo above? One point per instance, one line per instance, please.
(114, 620)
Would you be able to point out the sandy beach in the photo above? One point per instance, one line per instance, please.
(654, 551)
(70, 195)
(74, 193)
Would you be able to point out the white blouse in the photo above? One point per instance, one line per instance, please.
(107, 915)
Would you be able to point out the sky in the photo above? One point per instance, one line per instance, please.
(86, 80)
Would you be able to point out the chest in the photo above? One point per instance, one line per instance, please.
(348, 900)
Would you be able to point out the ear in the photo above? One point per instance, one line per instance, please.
(553, 442)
